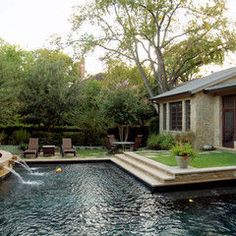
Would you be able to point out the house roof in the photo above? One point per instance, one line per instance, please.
(198, 85)
(221, 86)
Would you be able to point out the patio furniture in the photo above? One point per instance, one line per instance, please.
(137, 142)
(49, 150)
(33, 147)
(123, 144)
(110, 143)
(67, 147)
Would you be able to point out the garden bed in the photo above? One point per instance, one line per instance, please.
(203, 159)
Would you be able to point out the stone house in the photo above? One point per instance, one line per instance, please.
(206, 107)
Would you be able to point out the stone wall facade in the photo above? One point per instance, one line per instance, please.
(206, 119)
(205, 116)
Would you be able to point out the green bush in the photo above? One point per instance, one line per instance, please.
(160, 141)
(167, 141)
(21, 136)
(153, 142)
(23, 146)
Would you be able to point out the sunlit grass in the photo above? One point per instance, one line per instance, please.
(11, 148)
(203, 159)
(91, 152)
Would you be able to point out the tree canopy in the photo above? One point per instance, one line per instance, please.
(13, 69)
(172, 38)
(49, 93)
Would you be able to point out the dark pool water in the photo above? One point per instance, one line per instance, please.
(100, 199)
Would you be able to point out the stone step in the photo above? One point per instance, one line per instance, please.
(147, 169)
(161, 167)
(149, 180)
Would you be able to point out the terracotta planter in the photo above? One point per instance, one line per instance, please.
(182, 161)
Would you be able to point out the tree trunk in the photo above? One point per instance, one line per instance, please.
(123, 132)
(161, 74)
(147, 84)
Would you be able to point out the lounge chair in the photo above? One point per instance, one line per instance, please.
(33, 147)
(137, 142)
(110, 143)
(67, 147)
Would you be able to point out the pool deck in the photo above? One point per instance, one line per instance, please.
(155, 175)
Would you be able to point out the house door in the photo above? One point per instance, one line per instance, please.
(229, 121)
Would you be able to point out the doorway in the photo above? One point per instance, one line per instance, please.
(229, 120)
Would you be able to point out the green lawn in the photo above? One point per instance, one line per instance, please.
(14, 149)
(203, 159)
(91, 152)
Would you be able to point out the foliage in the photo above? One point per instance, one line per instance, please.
(2, 137)
(154, 125)
(13, 68)
(49, 96)
(124, 107)
(120, 75)
(89, 114)
(183, 150)
(157, 35)
(160, 141)
(23, 146)
(21, 136)
(185, 137)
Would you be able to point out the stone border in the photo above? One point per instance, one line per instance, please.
(5, 160)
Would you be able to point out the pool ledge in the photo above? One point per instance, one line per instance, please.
(5, 164)
(67, 160)
(159, 176)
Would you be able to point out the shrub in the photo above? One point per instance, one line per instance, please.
(153, 142)
(21, 136)
(2, 137)
(160, 141)
(185, 137)
(167, 141)
(23, 146)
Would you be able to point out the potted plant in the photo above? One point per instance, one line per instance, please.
(183, 153)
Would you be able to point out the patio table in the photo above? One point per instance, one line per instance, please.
(123, 144)
(49, 150)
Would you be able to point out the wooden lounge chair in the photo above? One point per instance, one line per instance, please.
(137, 142)
(33, 147)
(67, 147)
(112, 148)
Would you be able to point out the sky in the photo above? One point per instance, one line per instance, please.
(30, 23)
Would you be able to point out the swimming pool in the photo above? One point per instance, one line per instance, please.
(100, 199)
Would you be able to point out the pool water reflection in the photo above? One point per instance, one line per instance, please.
(100, 199)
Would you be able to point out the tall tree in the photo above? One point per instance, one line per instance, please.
(13, 69)
(49, 94)
(174, 38)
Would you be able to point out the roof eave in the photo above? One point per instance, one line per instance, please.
(216, 90)
(172, 97)
(203, 88)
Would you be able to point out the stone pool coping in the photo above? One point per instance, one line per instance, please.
(5, 161)
(6, 156)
